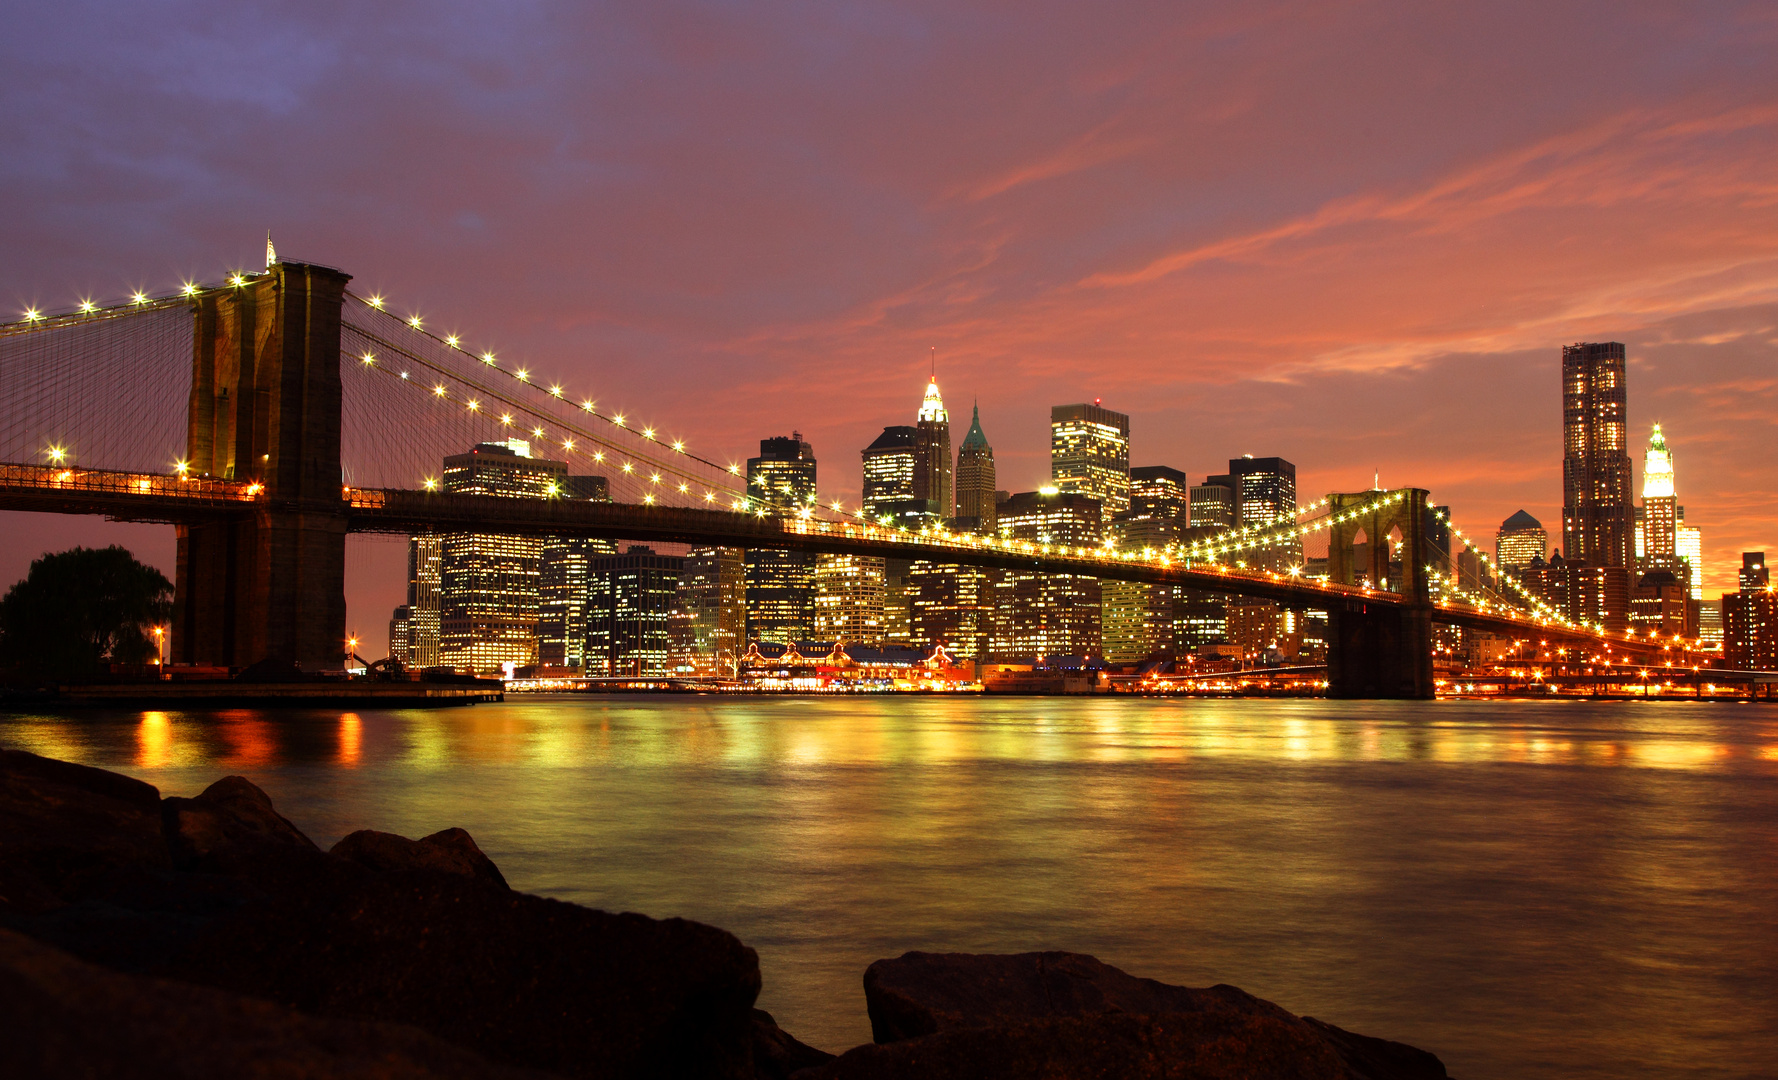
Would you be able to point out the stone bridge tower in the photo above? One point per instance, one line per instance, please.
(265, 408)
(1380, 650)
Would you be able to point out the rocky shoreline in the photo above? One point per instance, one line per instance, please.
(143, 936)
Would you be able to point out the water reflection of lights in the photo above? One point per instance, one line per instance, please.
(351, 739)
(154, 741)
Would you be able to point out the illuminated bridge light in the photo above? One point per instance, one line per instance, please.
(414, 321)
(555, 391)
(189, 289)
(487, 358)
(521, 374)
(376, 302)
(139, 298)
(439, 390)
(587, 405)
(87, 307)
(32, 314)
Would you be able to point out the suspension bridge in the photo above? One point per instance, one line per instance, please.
(269, 416)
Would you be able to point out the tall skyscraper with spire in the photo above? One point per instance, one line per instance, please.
(1660, 504)
(933, 468)
(975, 476)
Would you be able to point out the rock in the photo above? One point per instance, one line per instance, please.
(517, 978)
(1113, 1046)
(64, 828)
(960, 1014)
(231, 823)
(777, 1053)
(60, 1017)
(452, 851)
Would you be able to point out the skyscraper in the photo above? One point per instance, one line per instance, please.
(1213, 503)
(1041, 615)
(1750, 618)
(892, 466)
(849, 598)
(1160, 494)
(1596, 472)
(1265, 494)
(713, 600)
(780, 584)
(975, 477)
(1659, 523)
(424, 554)
(1090, 455)
(1688, 542)
(488, 582)
(631, 598)
(933, 469)
(1597, 510)
(952, 605)
(1520, 542)
(562, 583)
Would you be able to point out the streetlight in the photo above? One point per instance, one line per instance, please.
(160, 652)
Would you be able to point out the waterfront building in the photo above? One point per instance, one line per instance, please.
(1265, 497)
(710, 635)
(849, 599)
(780, 584)
(898, 599)
(424, 578)
(630, 603)
(1597, 503)
(933, 477)
(1750, 618)
(975, 478)
(488, 582)
(1520, 541)
(1090, 455)
(1042, 615)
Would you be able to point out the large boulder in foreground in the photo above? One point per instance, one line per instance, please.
(518, 978)
(66, 828)
(60, 1017)
(1067, 1015)
(231, 823)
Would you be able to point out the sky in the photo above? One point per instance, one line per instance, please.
(1354, 235)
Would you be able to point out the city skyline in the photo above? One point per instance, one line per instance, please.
(1153, 227)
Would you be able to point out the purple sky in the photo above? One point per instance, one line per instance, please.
(1355, 235)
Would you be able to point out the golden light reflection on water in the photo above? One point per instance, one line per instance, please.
(351, 739)
(154, 741)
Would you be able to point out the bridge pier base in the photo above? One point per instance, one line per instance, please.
(1376, 651)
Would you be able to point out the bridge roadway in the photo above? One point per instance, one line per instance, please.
(177, 500)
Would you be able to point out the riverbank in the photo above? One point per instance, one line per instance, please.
(209, 937)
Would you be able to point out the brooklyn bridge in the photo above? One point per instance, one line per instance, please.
(269, 416)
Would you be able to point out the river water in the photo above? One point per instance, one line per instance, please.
(1528, 889)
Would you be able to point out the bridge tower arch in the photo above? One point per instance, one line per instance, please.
(265, 408)
(1375, 650)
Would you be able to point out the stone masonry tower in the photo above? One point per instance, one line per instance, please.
(265, 408)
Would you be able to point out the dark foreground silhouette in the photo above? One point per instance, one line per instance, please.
(208, 937)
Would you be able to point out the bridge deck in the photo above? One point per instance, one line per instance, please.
(151, 497)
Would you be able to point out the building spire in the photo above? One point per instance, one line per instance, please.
(271, 253)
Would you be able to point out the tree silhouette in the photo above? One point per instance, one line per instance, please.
(81, 608)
